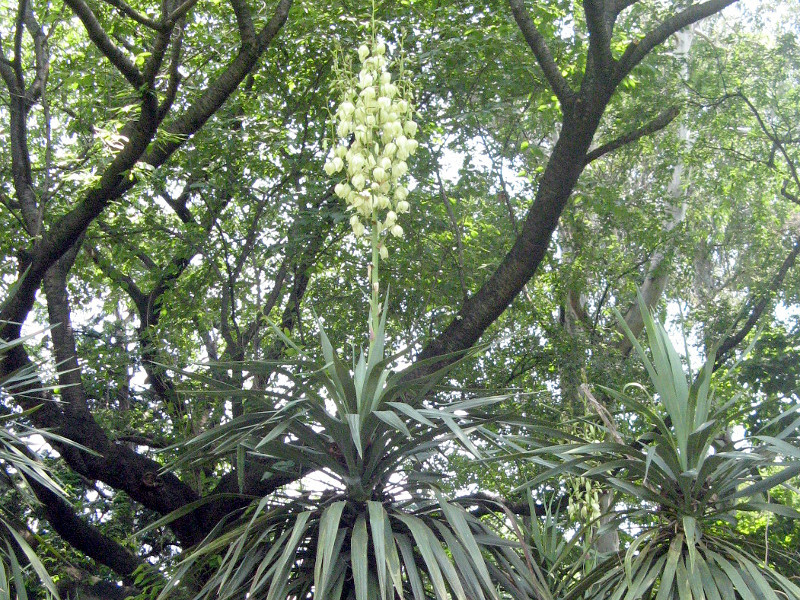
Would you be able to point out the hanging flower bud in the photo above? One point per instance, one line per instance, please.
(343, 129)
(378, 174)
(399, 169)
(342, 190)
(365, 80)
(346, 109)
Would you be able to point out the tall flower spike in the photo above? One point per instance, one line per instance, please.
(376, 135)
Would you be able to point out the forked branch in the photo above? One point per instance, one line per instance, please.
(544, 57)
(638, 49)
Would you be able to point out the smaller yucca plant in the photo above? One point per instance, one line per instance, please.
(679, 490)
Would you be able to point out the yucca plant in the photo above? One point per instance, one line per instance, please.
(379, 528)
(679, 490)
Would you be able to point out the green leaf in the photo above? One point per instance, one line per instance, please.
(734, 577)
(407, 551)
(668, 576)
(390, 418)
(358, 558)
(377, 524)
(458, 521)
(410, 412)
(354, 421)
(33, 560)
(423, 539)
(692, 534)
(328, 528)
(770, 482)
(280, 579)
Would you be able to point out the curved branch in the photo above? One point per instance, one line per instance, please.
(100, 39)
(215, 95)
(135, 15)
(84, 537)
(733, 340)
(530, 247)
(544, 57)
(657, 124)
(638, 49)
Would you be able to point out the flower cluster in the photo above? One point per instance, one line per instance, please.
(584, 497)
(375, 131)
(584, 500)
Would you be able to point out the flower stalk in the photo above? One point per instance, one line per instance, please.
(375, 133)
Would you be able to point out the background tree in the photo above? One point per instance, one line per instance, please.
(163, 186)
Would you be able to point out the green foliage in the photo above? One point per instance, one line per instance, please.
(240, 228)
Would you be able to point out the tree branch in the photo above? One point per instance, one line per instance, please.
(733, 340)
(657, 124)
(113, 184)
(530, 246)
(247, 33)
(127, 10)
(115, 464)
(100, 39)
(174, 72)
(19, 30)
(215, 95)
(638, 49)
(180, 12)
(599, 39)
(537, 44)
(42, 69)
(776, 142)
(84, 537)
(619, 5)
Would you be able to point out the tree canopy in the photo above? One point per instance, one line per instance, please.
(173, 247)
